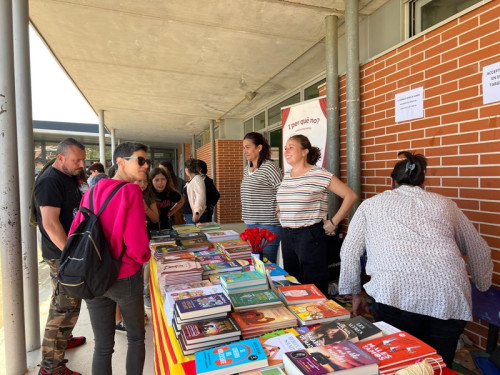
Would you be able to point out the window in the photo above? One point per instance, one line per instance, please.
(274, 112)
(260, 121)
(248, 126)
(312, 91)
(426, 13)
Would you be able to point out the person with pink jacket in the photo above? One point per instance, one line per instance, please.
(123, 226)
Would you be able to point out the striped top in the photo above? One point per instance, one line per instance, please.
(303, 200)
(258, 194)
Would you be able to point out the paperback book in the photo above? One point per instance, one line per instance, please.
(204, 305)
(300, 362)
(259, 321)
(252, 300)
(238, 279)
(231, 358)
(328, 333)
(188, 349)
(222, 235)
(210, 329)
(294, 294)
(364, 329)
(276, 346)
(319, 312)
(184, 286)
(222, 267)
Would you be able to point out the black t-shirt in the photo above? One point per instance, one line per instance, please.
(186, 207)
(166, 201)
(56, 189)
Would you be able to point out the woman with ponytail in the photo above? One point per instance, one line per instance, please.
(415, 242)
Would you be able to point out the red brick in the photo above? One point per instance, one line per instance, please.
(480, 54)
(439, 131)
(460, 138)
(492, 183)
(460, 27)
(479, 194)
(462, 182)
(441, 47)
(488, 40)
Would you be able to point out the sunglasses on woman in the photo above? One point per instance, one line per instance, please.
(140, 160)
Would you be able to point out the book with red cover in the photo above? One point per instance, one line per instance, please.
(258, 318)
(293, 294)
(324, 311)
(435, 360)
(396, 348)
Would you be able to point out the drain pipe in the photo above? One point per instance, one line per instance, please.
(332, 106)
(353, 105)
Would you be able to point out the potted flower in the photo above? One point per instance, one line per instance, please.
(258, 239)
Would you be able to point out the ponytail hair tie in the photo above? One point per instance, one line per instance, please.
(409, 167)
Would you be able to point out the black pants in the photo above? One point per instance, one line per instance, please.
(305, 254)
(442, 335)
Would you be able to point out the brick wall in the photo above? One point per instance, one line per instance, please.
(229, 173)
(458, 134)
(203, 153)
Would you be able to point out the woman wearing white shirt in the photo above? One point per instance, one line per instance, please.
(196, 192)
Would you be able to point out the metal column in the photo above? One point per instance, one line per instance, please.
(26, 168)
(10, 217)
(102, 141)
(332, 106)
(212, 159)
(183, 159)
(353, 94)
(193, 146)
(113, 145)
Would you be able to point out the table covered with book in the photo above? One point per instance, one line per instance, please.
(215, 314)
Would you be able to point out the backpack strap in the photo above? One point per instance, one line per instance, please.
(91, 196)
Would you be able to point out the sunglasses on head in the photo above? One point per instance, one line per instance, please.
(140, 160)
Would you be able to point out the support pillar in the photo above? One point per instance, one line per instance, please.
(193, 146)
(212, 159)
(353, 95)
(102, 141)
(332, 106)
(113, 145)
(10, 217)
(183, 159)
(26, 167)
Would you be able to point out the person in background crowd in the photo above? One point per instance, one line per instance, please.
(303, 208)
(123, 226)
(415, 241)
(212, 193)
(261, 179)
(179, 183)
(57, 197)
(195, 192)
(168, 198)
(95, 172)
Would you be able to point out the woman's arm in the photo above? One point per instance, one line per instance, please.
(349, 197)
(176, 207)
(152, 212)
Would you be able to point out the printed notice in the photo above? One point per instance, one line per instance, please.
(409, 105)
(491, 83)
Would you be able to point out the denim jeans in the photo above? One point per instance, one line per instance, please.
(305, 255)
(441, 334)
(189, 218)
(271, 250)
(127, 293)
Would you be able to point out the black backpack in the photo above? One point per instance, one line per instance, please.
(87, 268)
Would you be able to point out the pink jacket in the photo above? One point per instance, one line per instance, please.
(123, 221)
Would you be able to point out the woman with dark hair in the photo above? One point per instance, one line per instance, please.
(195, 192)
(303, 208)
(415, 242)
(261, 179)
(169, 200)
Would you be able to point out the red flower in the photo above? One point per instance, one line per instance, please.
(258, 238)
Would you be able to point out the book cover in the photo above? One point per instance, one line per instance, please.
(265, 371)
(191, 236)
(171, 297)
(328, 333)
(396, 348)
(276, 346)
(204, 305)
(365, 329)
(284, 280)
(300, 293)
(386, 328)
(185, 228)
(247, 300)
(318, 312)
(236, 279)
(188, 348)
(231, 358)
(179, 266)
(275, 270)
(228, 266)
(184, 286)
(258, 317)
(300, 362)
(210, 329)
(169, 257)
(344, 358)
(232, 244)
(163, 233)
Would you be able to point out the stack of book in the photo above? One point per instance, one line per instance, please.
(328, 333)
(294, 294)
(196, 244)
(363, 328)
(178, 271)
(259, 321)
(236, 282)
(197, 308)
(232, 358)
(163, 232)
(340, 358)
(162, 240)
(207, 333)
(210, 256)
(189, 292)
(209, 226)
(222, 267)
(184, 286)
(180, 228)
(254, 300)
(400, 350)
(323, 311)
(191, 235)
(235, 249)
(222, 235)
(159, 251)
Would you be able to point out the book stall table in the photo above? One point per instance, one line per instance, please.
(168, 356)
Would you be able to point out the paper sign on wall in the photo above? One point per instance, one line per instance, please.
(491, 83)
(409, 105)
(309, 119)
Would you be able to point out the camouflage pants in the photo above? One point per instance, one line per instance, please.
(63, 315)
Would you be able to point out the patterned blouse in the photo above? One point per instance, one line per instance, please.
(415, 241)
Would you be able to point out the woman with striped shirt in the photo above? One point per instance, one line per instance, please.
(303, 208)
(261, 179)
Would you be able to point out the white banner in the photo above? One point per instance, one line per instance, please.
(309, 119)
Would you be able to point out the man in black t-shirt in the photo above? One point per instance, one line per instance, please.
(57, 198)
(212, 194)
